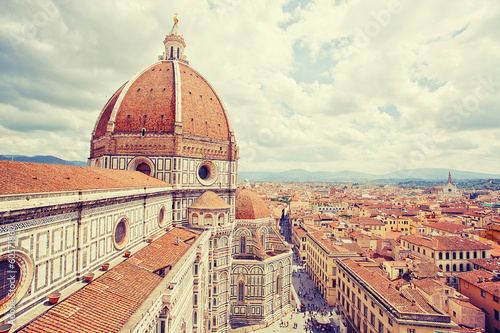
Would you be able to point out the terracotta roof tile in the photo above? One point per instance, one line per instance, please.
(107, 303)
(384, 287)
(450, 227)
(22, 177)
(483, 280)
(445, 243)
(249, 206)
(209, 200)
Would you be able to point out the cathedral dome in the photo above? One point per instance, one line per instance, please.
(161, 95)
(166, 109)
(250, 206)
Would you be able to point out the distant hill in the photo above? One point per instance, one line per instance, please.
(299, 175)
(41, 159)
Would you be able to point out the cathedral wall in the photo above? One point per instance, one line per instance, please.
(56, 245)
(219, 282)
(47, 246)
(179, 171)
(266, 293)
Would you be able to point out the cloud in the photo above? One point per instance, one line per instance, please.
(318, 85)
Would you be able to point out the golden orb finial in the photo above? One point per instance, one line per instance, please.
(176, 19)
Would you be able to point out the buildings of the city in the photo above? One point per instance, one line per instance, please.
(159, 204)
(483, 290)
(413, 249)
(371, 303)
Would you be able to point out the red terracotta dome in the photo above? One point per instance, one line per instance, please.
(250, 206)
(166, 109)
(151, 101)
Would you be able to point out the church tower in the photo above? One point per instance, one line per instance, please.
(450, 190)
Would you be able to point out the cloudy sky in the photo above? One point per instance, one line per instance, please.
(322, 85)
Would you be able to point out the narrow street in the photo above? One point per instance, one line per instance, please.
(315, 307)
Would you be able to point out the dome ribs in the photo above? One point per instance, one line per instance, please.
(143, 117)
(150, 96)
(200, 103)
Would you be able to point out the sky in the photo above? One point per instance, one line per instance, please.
(321, 85)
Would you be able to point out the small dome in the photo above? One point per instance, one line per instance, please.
(250, 206)
(209, 200)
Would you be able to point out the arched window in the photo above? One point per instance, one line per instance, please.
(447, 255)
(144, 168)
(278, 285)
(441, 267)
(241, 291)
(440, 255)
(454, 267)
(195, 219)
(447, 267)
(243, 244)
(461, 255)
(177, 53)
(171, 51)
(454, 255)
(461, 267)
(484, 254)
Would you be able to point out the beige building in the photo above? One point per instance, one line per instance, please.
(321, 253)
(369, 302)
(449, 253)
(482, 288)
(395, 269)
(375, 226)
(299, 242)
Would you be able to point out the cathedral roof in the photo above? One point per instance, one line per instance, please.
(108, 303)
(166, 98)
(209, 200)
(250, 206)
(161, 95)
(23, 177)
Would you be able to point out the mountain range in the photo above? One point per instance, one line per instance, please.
(41, 159)
(299, 175)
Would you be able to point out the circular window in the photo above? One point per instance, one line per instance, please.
(9, 277)
(120, 236)
(161, 217)
(203, 172)
(144, 168)
(207, 173)
(16, 273)
(143, 165)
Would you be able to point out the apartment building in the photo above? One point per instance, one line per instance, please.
(483, 290)
(321, 253)
(299, 241)
(449, 253)
(370, 303)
